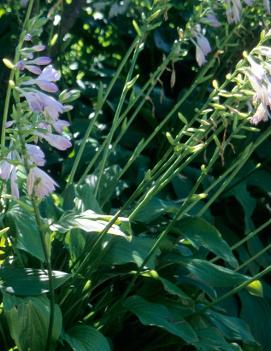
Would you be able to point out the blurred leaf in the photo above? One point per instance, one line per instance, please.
(200, 233)
(214, 275)
(232, 328)
(27, 234)
(158, 315)
(86, 338)
(28, 320)
(28, 281)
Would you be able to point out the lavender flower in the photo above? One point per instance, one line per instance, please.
(40, 102)
(233, 10)
(40, 183)
(259, 78)
(46, 110)
(8, 171)
(36, 155)
(45, 79)
(211, 19)
(266, 4)
(57, 141)
(202, 44)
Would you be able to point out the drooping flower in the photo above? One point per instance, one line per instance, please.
(261, 115)
(60, 125)
(259, 78)
(46, 79)
(35, 154)
(39, 183)
(266, 4)
(8, 171)
(58, 141)
(211, 19)
(203, 47)
(40, 102)
(233, 10)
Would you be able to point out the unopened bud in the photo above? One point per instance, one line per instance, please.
(11, 84)
(8, 63)
(68, 96)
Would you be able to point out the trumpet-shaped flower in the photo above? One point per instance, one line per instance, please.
(58, 141)
(266, 4)
(39, 183)
(35, 154)
(233, 10)
(45, 80)
(40, 102)
(211, 19)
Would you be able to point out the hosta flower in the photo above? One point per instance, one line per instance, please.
(261, 115)
(8, 171)
(259, 78)
(60, 125)
(57, 141)
(266, 4)
(40, 102)
(35, 154)
(45, 111)
(39, 183)
(203, 47)
(233, 10)
(211, 19)
(45, 80)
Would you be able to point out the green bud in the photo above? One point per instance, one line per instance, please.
(8, 63)
(68, 96)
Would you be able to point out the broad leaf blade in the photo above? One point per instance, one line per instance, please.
(86, 338)
(154, 314)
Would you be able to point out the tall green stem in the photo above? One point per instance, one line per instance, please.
(12, 74)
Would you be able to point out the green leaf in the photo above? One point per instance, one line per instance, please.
(28, 320)
(28, 281)
(233, 328)
(85, 338)
(154, 314)
(154, 209)
(173, 289)
(201, 233)
(211, 339)
(256, 311)
(214, 275)
(122, 250)
(27, 235)
(90, 222)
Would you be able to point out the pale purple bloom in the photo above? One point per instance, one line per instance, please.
(60, 125)
(45, 80)
(8, 171)
(41, 61)
(9, 124)
(40, 183)
(40, 102)
(5, 169)
(233, 10)
(13, 184)
(256, 68)
(266, 4)
(261, 115)
(21, 65)
(57, 141)
(211, 19)
(38, 48)
(203, 48)
(249, 2)
(35, 154)
(28, 37)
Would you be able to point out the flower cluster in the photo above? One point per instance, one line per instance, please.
(259, 75)
(36, 117)
(233, 13)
